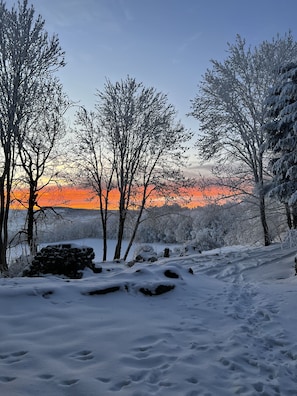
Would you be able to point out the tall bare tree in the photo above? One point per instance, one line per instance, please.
(142, 145)
(38, 151)
(230, 106)
(95, 164)
(26, 54)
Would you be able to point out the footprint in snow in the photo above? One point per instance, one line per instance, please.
(13, 357)
(69, 382)
(120, 385)
(7, 379)
(103, 379)
(45, 376)
(83, 355)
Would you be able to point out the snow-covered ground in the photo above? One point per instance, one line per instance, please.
(227, 329)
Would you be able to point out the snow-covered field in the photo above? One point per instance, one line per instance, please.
(227, 329)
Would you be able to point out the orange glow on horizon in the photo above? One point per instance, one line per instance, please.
(205, 197)
(84, 198)
(72, 197)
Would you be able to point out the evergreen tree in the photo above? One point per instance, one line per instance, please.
(281, 136)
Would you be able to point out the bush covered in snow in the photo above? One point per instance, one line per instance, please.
(290, 239)
(145, 253)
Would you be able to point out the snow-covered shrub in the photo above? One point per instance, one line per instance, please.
(18, 265)
(290, 239)
(210, 226)
(145, 253)
(168, 224)
(184, 229)
(189, 248)
(205, 240)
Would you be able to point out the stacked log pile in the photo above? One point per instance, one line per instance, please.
(65, 259)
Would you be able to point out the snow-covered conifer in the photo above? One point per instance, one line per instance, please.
(281, 134)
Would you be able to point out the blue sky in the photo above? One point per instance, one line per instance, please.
(166, 44)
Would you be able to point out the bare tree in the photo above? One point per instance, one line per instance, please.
(231, 108)
(142, 148)
(96, 166)
(26, 54)
(38, 151)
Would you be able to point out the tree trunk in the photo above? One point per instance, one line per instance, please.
(104, 257)
(136, 225)
(288, 216)
(30, 219)
(121, 226)
(104, 230)
(3, 259)
(267, 240)
(117, 253)
(3, 264)
(104, 216)
(132, 239)
(294, 216)
(4, 230)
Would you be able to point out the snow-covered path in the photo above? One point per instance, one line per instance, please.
(228, 329)
(258, 353)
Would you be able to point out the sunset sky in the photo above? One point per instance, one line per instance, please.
(166, 44)
(83, 198)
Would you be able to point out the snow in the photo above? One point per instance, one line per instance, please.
(227, 329)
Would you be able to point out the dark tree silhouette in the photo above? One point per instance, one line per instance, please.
(26, 55)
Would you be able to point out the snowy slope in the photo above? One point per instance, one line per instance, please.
(227, 329)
